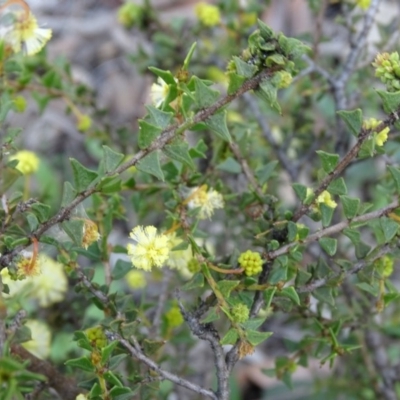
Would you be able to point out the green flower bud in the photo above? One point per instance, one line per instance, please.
(240, 313)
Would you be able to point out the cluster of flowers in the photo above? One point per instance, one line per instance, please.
(381, 137)
(388, 70)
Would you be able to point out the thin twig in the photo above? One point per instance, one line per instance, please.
(162, 298)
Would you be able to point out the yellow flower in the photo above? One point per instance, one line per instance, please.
(381, 137)
(28, 266)
(81, 397)
(326, 198)
(90, 233)
(251, 262)
(136, 279)
(158, 92)
(84, 122)
(41, 339)
(150, 249)
(129, 14)
(207, 201)
(364, 4)
(174, 317)
(26, 35)
(207, 14)
(178, 259)
(28, 162)
(51, 285)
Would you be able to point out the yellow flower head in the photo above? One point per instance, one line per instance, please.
(207, 201)
(84, 122)
(39, 345)
(150, 249)
(28, 266)
(90, 233)
(136, 279)
(174, 317)
(251, 262)
(28, 162)
(26, 35)
(364, 4)
(208, 14)
(326, 198)
(380, 137)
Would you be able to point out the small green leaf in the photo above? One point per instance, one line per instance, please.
(150, 164)
(254, 323)
(111, 159)
(120, 269)
(390, 100)
(371, 289)
(353, 120)
(217, 123)
(329, 161)
(107, 351)
(243, 68)
(42, 211)
(269, 295)
(278, 274)
(204, 95)
(265, 31)
(326, 213)
(74, 229)
(189, 56)
(179, 151)
(159, 118)
(324, 294)
(362, 250)
(338, 186)
(265, 172)
(213, 315)
(69, 194)
(329, 245)
(196, 282)
(83, 176)
(32, 221)
(235, 82)
(166, 76)
(152, 346)
(301, 191)
(147, 133)
(110, 377)
(353, 235)
(230, 337)
(230, 165)
(350, 206)
(268, 92)
(395, 172)
(82, 363)
(389, 228)
(256, 337)
(292, 231)
(225, 287)
(291, 293)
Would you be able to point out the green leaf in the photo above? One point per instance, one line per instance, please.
(235, 82)
(152, 346)
(256, 337)
(74, 229)
(254, 323)
(371, 289)
(107, 351)
(329, 245)
(353, 120)
(268, 92)
(199, 151)
(301, 191)
(225, 287)
(120, 269)
(110, 184)
(110, 377)
(69, 194)
(389, 228)
(390, 100)
(82, 363)
(32, 221)
(111, 159)
(291, 47)
(265, 31)
(213, 315)
(326, 213)
(362, 250)
(150, 164)
(278, 274)
(83, 176)
(121, 393)
(243, 68)
(338, 186)
(42, 211)
(292, 231)
(265, 172)
(196, 282)
(217, 123)
(230, 337)
(350, 206)
(189, 56)
(329, 161)
(353, 235)
(159, 118)
(204, 95)
(324, 294)
(395, 172)
(291, 293)
(147, 133)
(179, 151)
(269, 295)
(166, 76)
(230, 165)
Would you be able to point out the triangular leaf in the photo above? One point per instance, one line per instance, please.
(395, 172)
(291, 293)
(353, 120)
(159, 118)
(226, 287)
(256, 337)
(329, 245)
(147, 133)
(166, 76)
(338, 186)
(151, 165)
(179, 151)
(350, 206)
(329, 161)
(83, 176)
(217, 123)
(111, 159)
(390, 100)
(204, 95)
